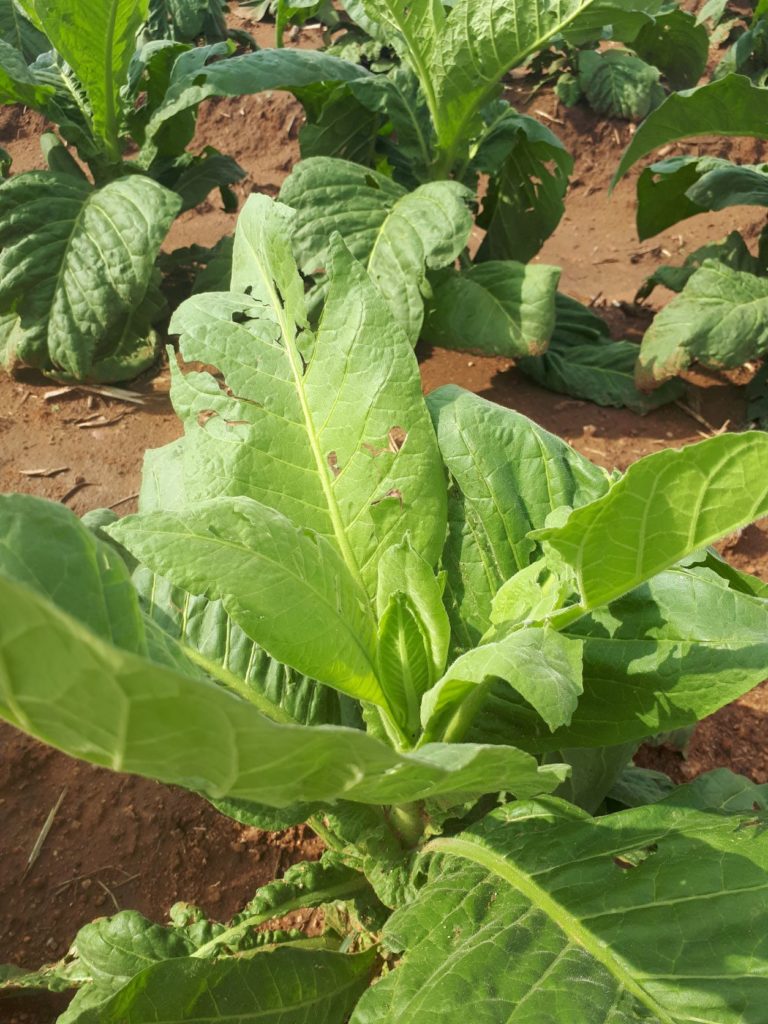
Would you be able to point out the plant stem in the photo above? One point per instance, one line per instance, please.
(408, 820)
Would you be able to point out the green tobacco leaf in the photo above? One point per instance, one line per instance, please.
(172, 124)
(676, 45)
(344, 129)
(661, 658)
(80, 278)
(413, 28)
(61, 683)
(731, 251)
(600, 371)
(285, 986)
(399, 97)
(397, 235)
(507, 476)
(98, 42)
(666, 506)
(20, 33)
(542, 666)
(403, 661)
(339, 444)
(211, 639)
(730, 106)
(269, 575)
(662, 194)
(529, 169)
(45, 545)
(619, 85)
(582, 909)
(497, 308)
(403, 571)
(18, 84)
(720, 319)
(481, 42)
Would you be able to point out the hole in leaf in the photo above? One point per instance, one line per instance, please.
(333, 463)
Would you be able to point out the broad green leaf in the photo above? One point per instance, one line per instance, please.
(619, 85)
(338, 443)
(666, 506)
(397, 235)
(481, 42)
(655, 914)
(285, 986)
(719, 319)
(44, 545)
(212, 640)
(18, 84)
(80, 275)
(61, 683)
(497, 308)
(731, 106)
(662, 198)
(344, 129)
(529, 169)
(681, 187)
(172, 124)
(541, 665)
(20, 33)
(661, 658)
(594, 771)
(270, 576)
(98, 42)
(413, 29)
(676, 45)
(601, 371)
(507, 476)
(723, 791)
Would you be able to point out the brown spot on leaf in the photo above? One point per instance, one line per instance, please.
(397, 438)
(394, 493)
(204, 415)
(333, 463)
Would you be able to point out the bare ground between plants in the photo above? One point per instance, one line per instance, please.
(128, 842)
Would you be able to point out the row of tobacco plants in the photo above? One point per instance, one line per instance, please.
(403, 119)
(424, 625)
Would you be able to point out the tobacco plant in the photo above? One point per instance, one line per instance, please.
(79, 286)
(720, 316)
(380, 152)
(436, 632)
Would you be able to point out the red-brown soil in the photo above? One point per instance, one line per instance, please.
(132, 843)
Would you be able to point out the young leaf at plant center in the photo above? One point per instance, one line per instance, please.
(73, 316)
(629, 535)
(397, 235)
(497, 308)
(572, 902)
(269, 574)
(719, 319)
